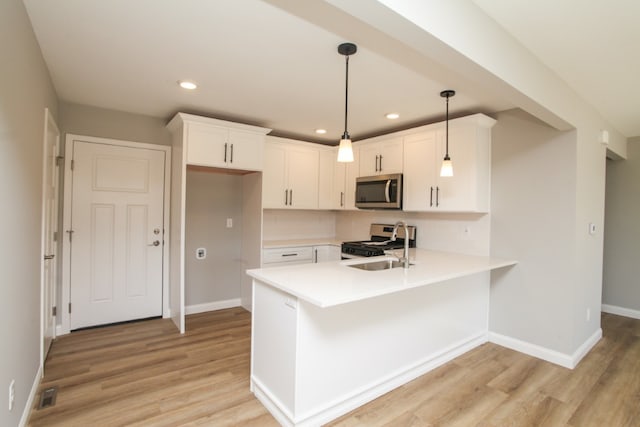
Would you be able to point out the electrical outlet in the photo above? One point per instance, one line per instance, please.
(201, 253)
(12, 393)
(229, 222)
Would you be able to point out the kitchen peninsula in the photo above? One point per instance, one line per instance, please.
(328, 337)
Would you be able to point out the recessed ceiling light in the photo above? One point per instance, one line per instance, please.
(185, 84)
(392, 116)
(321, 131)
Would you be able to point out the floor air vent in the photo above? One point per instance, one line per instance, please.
(48, 397)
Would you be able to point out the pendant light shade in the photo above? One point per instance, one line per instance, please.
(345, 150)
(447, 166)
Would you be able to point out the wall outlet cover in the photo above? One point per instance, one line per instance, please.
(201, 253)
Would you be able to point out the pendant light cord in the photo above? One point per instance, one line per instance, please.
(447, 130)
(346, 97)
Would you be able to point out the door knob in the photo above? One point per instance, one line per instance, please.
(155, 243)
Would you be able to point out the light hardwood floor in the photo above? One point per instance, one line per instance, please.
(146, 374)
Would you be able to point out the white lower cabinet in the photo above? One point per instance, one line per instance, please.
(468, 190)
(324, 253)
(278, 257)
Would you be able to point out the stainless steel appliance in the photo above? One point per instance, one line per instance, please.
(379, 243)
(379, 192)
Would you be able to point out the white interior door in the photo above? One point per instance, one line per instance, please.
(117, 214)
(50, 228)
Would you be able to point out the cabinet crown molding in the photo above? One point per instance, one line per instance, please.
(181, 118)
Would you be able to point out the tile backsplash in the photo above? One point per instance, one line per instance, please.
(281, 224)
(465, 233)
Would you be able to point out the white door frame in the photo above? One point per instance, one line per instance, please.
(49, 123)
(66, 214)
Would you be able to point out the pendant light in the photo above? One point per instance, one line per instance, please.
(345, 150)
(447, 166)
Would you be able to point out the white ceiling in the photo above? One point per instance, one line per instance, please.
(592, 45)
(259, 64)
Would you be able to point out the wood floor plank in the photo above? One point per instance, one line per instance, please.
(146, 374)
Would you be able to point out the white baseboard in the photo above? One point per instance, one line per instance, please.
(364, 395)
(566, 360)
(586, 347)
(32, 396)
(621, 311)
(212, 306)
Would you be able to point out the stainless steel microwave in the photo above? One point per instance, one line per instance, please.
(379, 192)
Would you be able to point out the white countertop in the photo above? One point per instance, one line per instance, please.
(328, 284)
(267, 244)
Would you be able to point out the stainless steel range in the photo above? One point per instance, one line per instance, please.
(380, 242)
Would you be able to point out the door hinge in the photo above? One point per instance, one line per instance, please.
(73, 164)
(59, 160)
(69, 307)
(55, 236)
(70, 234)
(54, 311)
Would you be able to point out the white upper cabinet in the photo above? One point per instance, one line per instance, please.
(381, 156)
(290, 174)
(337, 181)
(468, 190)
(220, 144)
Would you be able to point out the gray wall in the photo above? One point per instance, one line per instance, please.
(94, 121)
(211, 199)
(533, 211)
(621, 286)
(25, 91)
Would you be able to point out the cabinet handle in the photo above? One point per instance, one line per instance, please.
(342, 199)
(380, 163)
(437, 196)
(225, 152)
(315, 256)
(294, 254)
(377, 157)
(290, 197)
(231, 153)
(286, 197)
(431, 197)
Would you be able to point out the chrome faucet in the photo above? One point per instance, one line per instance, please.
(405, 258)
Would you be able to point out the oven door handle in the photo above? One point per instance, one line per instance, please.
(386, 191)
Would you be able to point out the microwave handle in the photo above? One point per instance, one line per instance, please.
(386, 191)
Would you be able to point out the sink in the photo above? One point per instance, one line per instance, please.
(385, 264)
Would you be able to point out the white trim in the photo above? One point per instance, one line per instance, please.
(48, 122)
(621, 311)
(586, 347)
(212, 306)
(65, 322)
(569, 361)
(26, 412)
(367, 393)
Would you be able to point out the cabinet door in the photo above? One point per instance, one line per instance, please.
(326, 180)
(369, 159)
(302, 168)
(460, 191)
(324, 253)
(244, 150)
(206, 145)
(274, 177)
(381, 157)
(350, 175)
(390, 160)
(419, 184)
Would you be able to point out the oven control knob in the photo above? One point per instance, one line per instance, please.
(369, 253)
